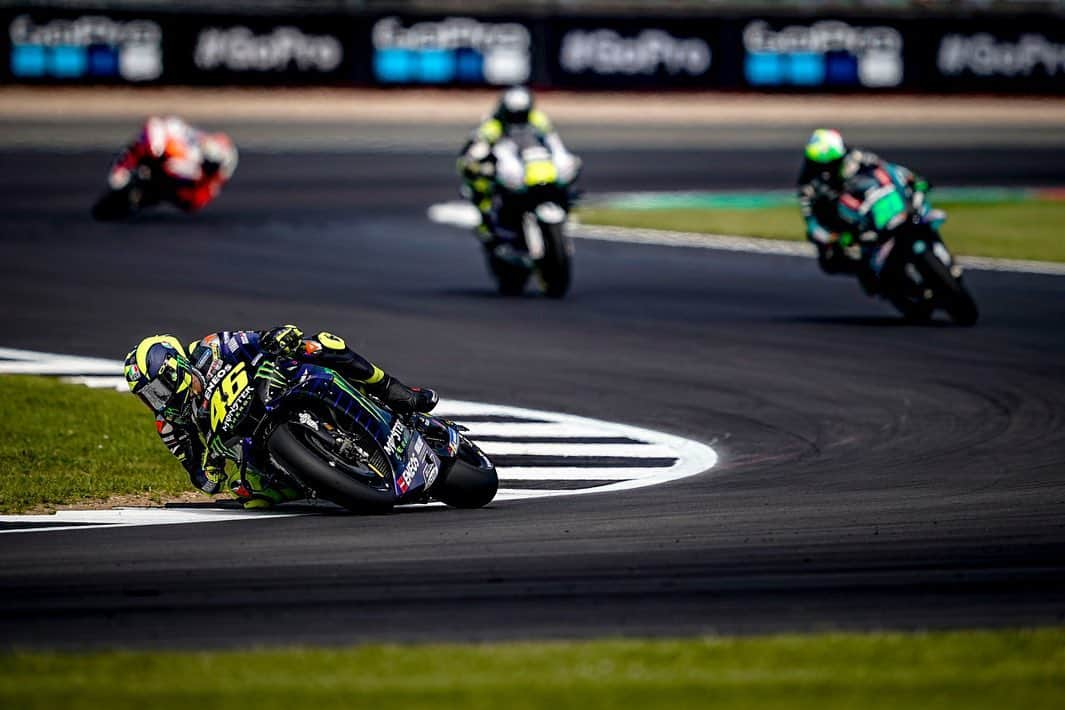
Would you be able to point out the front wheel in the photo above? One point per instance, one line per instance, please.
(510, 277)
(471, 482)
(913, 309)
(950, 291)
(113, 205)
(962, 308)
(328, 478)
(554, 267)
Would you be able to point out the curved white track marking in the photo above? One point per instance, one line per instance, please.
(128, 517)
(462, 214)
(30, 362)
(690, 457)
(537, 453)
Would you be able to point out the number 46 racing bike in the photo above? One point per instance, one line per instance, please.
(305, 426)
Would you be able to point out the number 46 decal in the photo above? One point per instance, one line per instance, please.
(226, 393)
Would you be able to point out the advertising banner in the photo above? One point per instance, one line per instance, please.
(52, 47)
(451, 51)
(1008, 56)
(822, 54)
(618, 53)
(310, 50)
(970, 53)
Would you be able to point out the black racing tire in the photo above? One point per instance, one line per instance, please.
(510, 278)
(554, 267)
(471, 482)
(913, 312)
(113, 205)
(951, 293)
(328, 482)
(963, 309)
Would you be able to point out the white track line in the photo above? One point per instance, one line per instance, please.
(578, 473)
(511, 429)
(644, 451)
(129, 517)
(465, 215)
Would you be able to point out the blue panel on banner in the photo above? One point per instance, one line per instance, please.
(103, 60)
(437, 66)
(469, 65)
(393, 65)
(69, 61)
(763, 68)
(806, 68)
(27, 60)
(841, 68)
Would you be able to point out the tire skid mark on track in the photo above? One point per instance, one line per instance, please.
(537, 453)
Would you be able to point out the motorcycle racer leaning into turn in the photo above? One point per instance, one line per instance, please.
(515, 111)
(195, 164)
(832, 173)
(178, 383)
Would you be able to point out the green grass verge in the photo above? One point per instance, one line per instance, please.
(1012, 230)
(63, 443)
(982, 669)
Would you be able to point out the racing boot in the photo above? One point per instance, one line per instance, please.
(404, 400)
(255, 493)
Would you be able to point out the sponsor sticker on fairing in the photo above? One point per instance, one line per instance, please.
(413, 474)
(398, 438)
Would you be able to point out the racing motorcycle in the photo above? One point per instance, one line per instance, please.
(305, 426)
(903, 250)
(535, 197)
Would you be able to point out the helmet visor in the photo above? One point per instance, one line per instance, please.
(156, 394)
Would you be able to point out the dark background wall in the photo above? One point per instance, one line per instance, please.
(991, 47)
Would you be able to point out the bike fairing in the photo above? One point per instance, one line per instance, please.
(415, 467)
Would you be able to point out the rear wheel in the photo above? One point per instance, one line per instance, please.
(555, 265)
(471, 482)
(331, 477)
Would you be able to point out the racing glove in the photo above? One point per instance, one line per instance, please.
(284, 340)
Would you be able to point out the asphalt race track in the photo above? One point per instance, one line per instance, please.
(872, 474)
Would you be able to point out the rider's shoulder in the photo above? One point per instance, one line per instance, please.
(490, 130)
(864, 158)
(540, 121)
(225, 343)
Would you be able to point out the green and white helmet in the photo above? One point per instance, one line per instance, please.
(825, 146)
